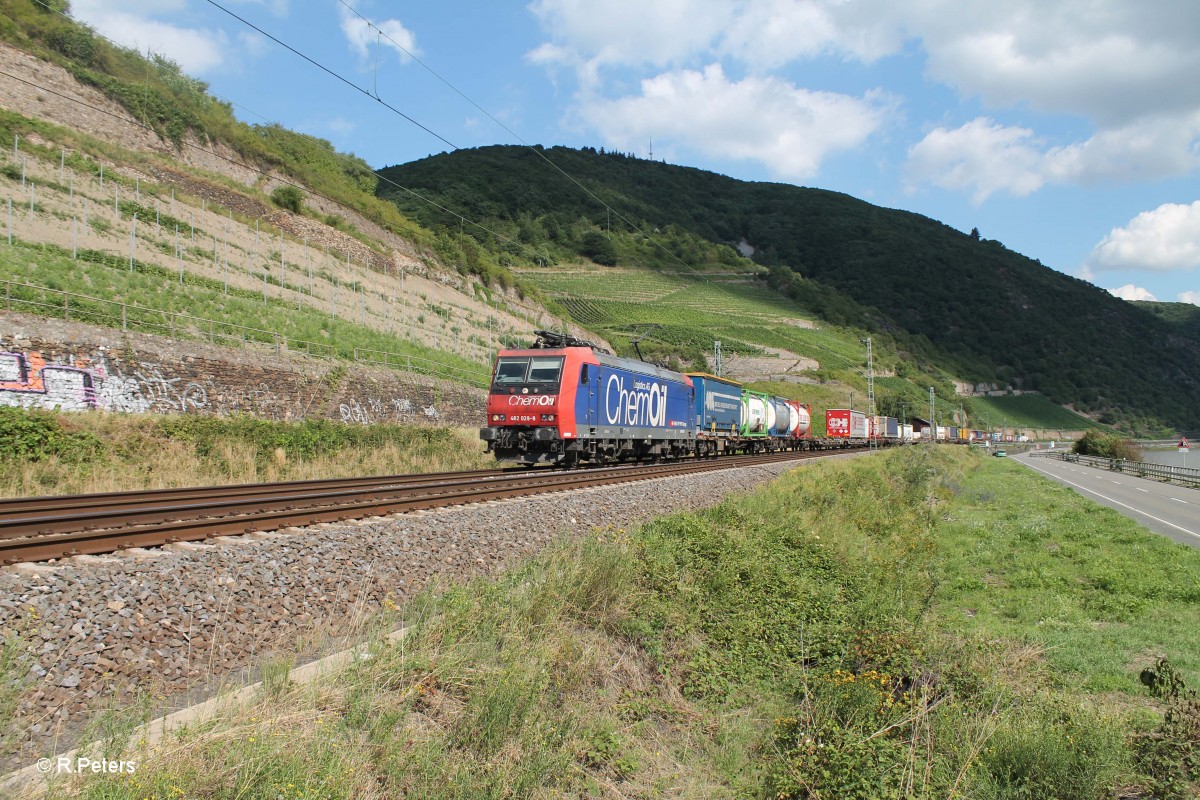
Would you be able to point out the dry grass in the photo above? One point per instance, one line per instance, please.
(139, 453)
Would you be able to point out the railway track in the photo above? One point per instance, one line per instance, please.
(40, 529)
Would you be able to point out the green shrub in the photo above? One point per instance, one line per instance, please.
(32, 435)
(1106, 445)
(289, 198)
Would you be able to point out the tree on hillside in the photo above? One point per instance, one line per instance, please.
(599, 248)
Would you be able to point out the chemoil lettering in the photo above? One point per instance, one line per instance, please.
(531, 400)
(642, 405)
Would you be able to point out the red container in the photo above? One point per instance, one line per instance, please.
(842, 423)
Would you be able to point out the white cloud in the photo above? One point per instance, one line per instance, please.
(790, 130)
(1166, 239)
(1144, 150)
(1109, 60)
(83, 9)
(389, 33)
(628, 32)
(759, 33)
(981, 157)
(196, 50)
(770, 33)
(1129, 72)
(1189, 297)
(1131, 292)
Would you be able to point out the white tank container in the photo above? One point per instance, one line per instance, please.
(772, 417)
(754, 413)
(803, 421)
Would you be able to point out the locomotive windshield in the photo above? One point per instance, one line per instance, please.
(540, 370)
(545, 370)
(511, 371)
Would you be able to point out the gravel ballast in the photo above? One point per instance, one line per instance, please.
(174, 623)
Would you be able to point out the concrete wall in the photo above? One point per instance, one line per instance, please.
(52, 364)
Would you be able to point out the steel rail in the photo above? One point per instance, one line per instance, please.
(150, 497)
(336, 506)
(53, 520)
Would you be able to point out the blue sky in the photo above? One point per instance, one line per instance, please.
(1069, 130)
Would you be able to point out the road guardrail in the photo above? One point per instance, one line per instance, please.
(1184, 476)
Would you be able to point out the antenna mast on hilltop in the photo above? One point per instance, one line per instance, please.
(651, 148)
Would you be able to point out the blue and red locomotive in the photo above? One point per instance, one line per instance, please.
(565, 401)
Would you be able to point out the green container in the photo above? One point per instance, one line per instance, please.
(756, 408)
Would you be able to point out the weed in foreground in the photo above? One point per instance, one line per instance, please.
(1170, 753)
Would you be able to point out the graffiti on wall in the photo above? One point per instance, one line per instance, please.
(374, 410)
(29, 380)
(55, 377)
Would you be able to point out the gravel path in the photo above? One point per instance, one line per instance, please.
(176, 622)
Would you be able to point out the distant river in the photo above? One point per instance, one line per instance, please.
(1173, 457)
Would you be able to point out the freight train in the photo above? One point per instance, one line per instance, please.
(565, 401)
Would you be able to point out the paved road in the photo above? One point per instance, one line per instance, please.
(1165, 508)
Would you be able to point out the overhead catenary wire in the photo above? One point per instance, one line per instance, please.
(539, 153)
(415, 194)
(329, 71)
(381, 33)
(520, 139)
(258, 170)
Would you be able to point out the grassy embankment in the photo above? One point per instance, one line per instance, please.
(42, 453)
(919, 624)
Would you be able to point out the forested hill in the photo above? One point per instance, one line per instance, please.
(992, 313)
(1185, 317)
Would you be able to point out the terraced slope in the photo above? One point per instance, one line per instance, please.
(688, 313)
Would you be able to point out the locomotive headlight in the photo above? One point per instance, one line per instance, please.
(497, 417)
(547, 418)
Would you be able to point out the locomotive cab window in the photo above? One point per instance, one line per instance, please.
(545, 370)
(511, 371)
(583, 374)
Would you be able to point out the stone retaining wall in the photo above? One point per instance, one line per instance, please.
(52, 364)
